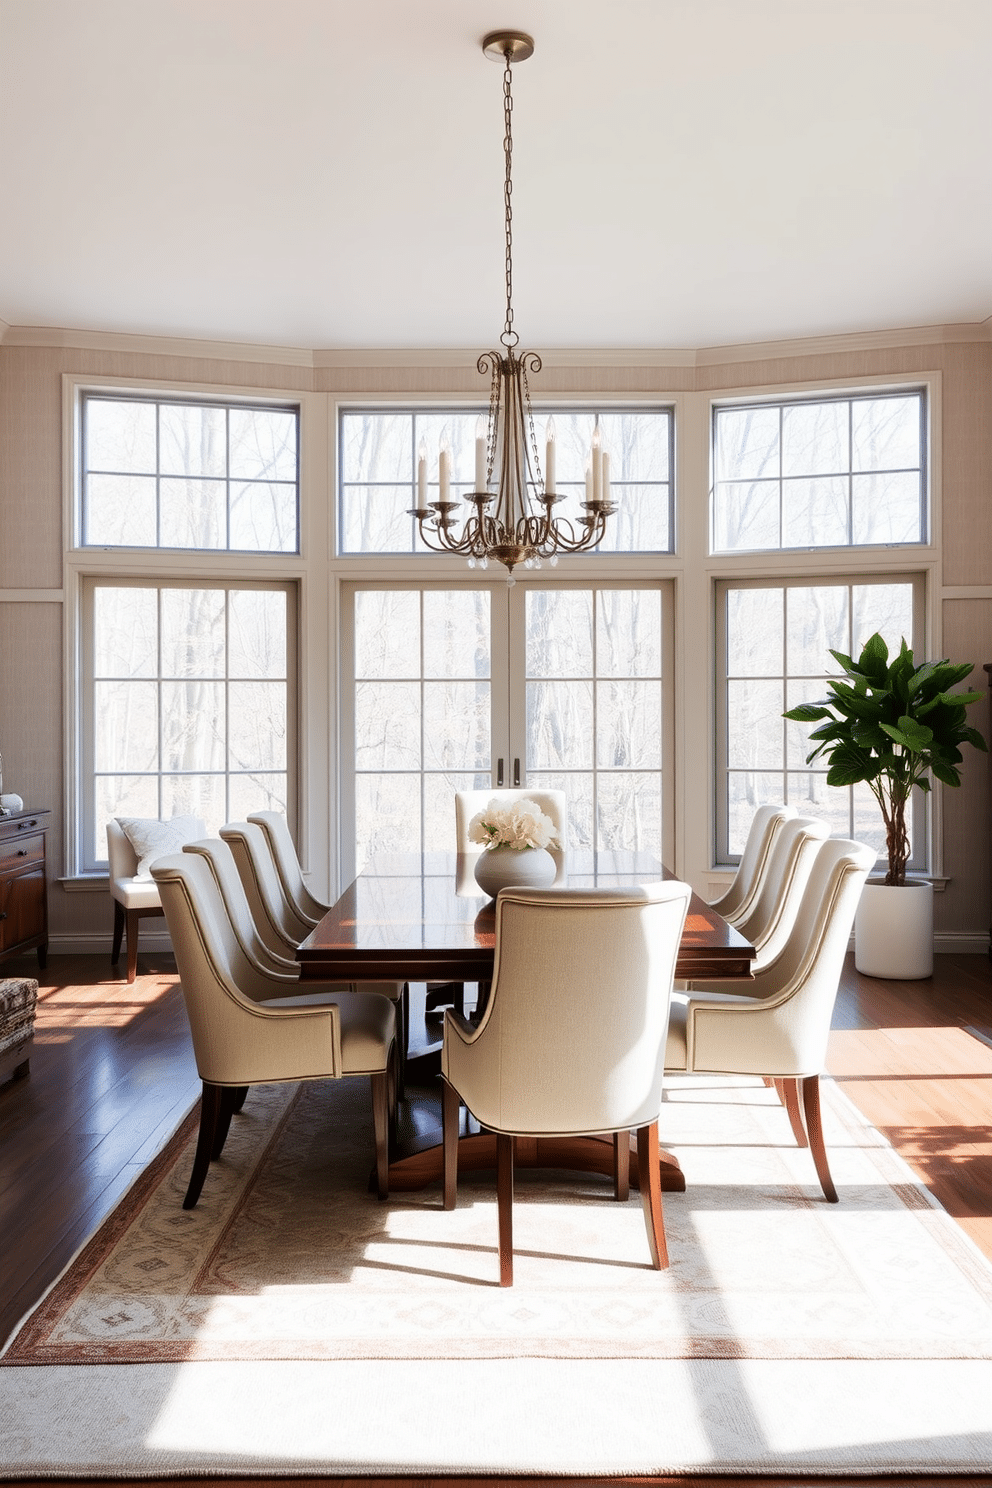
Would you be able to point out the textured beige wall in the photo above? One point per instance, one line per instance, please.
(31, 503)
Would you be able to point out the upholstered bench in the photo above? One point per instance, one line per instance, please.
(18, 1000)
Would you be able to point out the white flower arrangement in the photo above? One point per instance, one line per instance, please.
(516, 824)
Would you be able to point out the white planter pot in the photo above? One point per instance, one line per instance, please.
(500, 867)
(893, 931)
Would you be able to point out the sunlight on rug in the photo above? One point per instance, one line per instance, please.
(291, 1323)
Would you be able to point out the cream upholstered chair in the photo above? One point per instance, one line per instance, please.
(220, 859)
(132, 889)
(781, 1032)
(246, 1031)
(769, 921)
(572, 1041)
(765, 826)
(282, 849)
(268, 881)
(278, 924)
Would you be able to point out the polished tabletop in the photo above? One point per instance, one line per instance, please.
(422, 917)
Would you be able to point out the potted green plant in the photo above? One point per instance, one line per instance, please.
(892, 724)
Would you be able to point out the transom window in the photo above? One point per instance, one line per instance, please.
(378, 472)
(159, 473)
(820, 473)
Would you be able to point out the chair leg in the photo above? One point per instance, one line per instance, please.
(809, 1088)
(232, 1099)
(649, 1181)
(621, 1166)
(211, 1099)
(402, 1039)
(380, 1121)
(450, 1106)
(132, 945)
(115, 953)
(504, 1205)
(789, 1095)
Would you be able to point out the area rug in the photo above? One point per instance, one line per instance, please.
(293, 1325)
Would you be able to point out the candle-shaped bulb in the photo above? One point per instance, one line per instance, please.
(597, 465)
(480, 453)
(444, 463)
(422, 475)
(549, 459)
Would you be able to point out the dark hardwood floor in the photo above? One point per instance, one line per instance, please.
(112, 1071)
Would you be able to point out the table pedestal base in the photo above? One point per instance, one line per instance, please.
(581, 1154)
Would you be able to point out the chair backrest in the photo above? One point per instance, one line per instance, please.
(573, 1037)
(765, 827)
(220, 859)
(469, 802)
(769, 921)
(220, 986)
(121, 856)
(784, 1031)
(277, 923)
(283, 849)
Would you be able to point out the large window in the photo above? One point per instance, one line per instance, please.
(773, 652)
(158, 473)
(820, 473)
(187, 534)
(186, 703)
(378, 472)
(459, 687)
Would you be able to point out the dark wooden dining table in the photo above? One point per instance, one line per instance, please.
(420, 917)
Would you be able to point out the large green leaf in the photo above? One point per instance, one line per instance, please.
(849, 765)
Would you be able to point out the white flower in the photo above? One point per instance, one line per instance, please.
(519, 824)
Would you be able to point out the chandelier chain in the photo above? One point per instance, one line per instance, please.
(509, 337)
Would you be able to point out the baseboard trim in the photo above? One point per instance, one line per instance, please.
(76, 944)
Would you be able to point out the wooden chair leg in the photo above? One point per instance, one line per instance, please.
(402, 1039)
(239, 1095)
(789, 1094)
(621, 1166)
(649, 1181)
(211, 1097)
(132, 945)
(380, 1122)
(223, 1126)
(504, 1205)
(810, 1090)
(115, 953)
(450, 1107)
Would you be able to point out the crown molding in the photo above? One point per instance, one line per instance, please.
(383, 357)
(178, 346)
(855, 341)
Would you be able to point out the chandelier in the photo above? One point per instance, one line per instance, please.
(505, 525)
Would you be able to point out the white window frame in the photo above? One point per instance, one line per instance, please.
(307, 579)
(852, 564)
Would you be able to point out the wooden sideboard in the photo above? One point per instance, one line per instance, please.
(23, 890)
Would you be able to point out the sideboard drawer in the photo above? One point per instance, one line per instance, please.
(22, 852)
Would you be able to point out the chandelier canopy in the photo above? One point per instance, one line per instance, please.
(505, 525)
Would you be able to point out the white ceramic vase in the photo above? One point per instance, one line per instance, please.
(893, 931)
(527, 867)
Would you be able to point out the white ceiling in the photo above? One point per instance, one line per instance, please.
(320, 174)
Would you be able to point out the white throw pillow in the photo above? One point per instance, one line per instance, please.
(153, 839)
